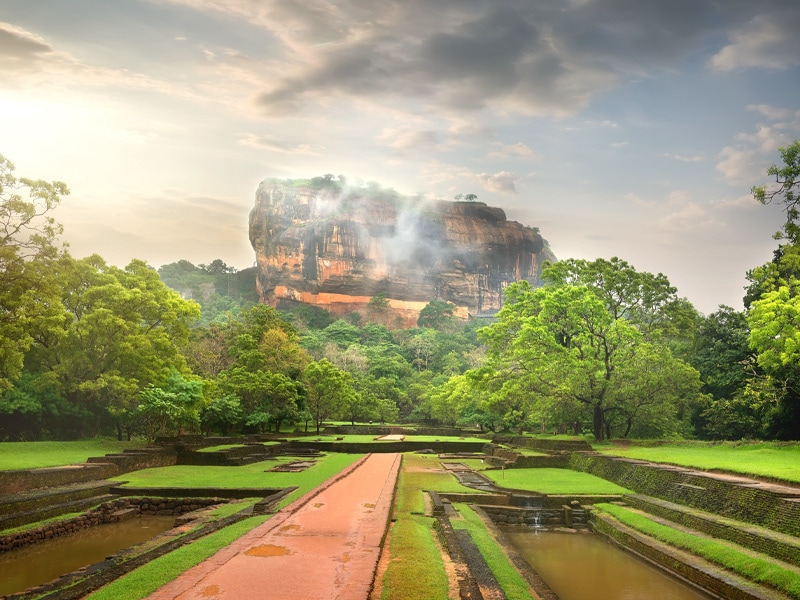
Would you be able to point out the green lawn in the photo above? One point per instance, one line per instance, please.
(362, 438)
(722, 553)
(33, 455)
(507, 576)
(774, 460)
(415, 566)
(248, 476)
(553, 481)
(142, 581)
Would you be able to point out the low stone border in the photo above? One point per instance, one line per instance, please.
(108, 512)
(691, 568)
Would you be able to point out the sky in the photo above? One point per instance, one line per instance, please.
(628, 128)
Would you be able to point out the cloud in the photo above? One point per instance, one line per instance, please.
(683, 158)
(503, 182)
(518, 150)
(21, 50)
(773, 113)
(747, 160)
(684, 214)
(402, 139)
(267, 142)
(768, 40)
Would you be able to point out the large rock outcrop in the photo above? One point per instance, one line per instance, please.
(318, 242)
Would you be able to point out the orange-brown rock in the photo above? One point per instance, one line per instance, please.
(318, 242)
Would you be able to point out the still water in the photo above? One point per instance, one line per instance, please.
(578, 566)
(43, 562)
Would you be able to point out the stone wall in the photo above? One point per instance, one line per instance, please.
(670, 559)
(109, 512)
(407, 446)
(23, 480)
(530, 518)
(768, 506)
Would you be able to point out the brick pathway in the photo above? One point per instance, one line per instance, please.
(324, 545)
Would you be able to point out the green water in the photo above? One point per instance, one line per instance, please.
(49, 559)
(578, 566)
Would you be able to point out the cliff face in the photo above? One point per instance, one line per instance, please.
(318, 244)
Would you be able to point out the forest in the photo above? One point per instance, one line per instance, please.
(602, 349)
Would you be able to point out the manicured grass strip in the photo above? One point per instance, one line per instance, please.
(415, 568)
(252, 475)
(34, 455)
(221, 447)
(760, 459)
(363, 438)
(507, 576)
(148, 578)
(553, 481)
(721, 553)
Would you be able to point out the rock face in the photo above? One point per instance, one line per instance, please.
(317, 242)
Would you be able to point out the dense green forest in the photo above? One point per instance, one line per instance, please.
(88, 348)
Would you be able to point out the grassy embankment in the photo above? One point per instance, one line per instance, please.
(718, 552)
(756, 459)
(415, 567)
(34, 455)
(144, 580)
(507, 576)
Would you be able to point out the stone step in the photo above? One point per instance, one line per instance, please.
(43, 497)
(753, 537)
(53, 510)
(720, 582)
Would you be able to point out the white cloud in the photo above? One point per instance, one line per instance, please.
(502, 181)
(267, 142)
(683, 158)
(769, 40)
(518, 150)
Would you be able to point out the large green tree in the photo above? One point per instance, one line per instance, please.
(772, 300)
(28, 248)
(561, 345)
(329, 391)
(114, 332)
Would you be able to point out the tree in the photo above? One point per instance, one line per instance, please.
(171, 407)
(328, 390)
(222, 413)
(787, 177)
(648, 301)
(772, 299)
(562, 345)
(114, 332)
(437, 314)
(27, 250)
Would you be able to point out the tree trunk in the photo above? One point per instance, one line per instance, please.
(597, 424)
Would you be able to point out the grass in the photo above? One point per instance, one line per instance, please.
(34, 455)
(759, 459)
(363, 438)
(720, 553)
(553, 481)
(507, 576)
(144, 580)
(415, 567)
(148, 578)
(246, 476)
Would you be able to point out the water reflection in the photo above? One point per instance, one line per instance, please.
(47, 560)
(577, 566)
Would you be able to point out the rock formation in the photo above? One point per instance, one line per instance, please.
(319, 242)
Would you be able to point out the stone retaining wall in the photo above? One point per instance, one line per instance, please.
(376, 447)
(23, 480)
(110, 512)
(772, 508)
(692, 569)
(529, 518)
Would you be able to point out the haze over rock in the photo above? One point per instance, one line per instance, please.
(323, 243)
